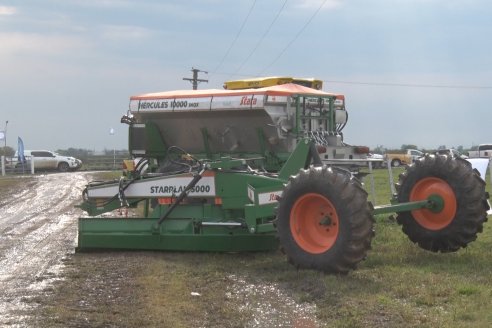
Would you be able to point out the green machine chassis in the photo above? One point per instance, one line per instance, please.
(319, 214)
(238, 223)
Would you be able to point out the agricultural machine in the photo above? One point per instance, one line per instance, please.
(240, 170)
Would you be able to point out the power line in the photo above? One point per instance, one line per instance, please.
(235, 39)
(411, 85)
(383, 84)
(262, 38)
(294, 39)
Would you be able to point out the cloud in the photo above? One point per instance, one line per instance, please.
(34, 44)
(100, 3)
(314, 4)
(124, 32)
(7, 11)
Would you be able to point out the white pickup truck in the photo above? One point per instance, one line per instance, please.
(48, 160)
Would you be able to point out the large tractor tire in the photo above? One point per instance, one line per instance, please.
(324, 221)
(464, 210)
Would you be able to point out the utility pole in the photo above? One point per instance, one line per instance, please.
(194, 80)
(5, 136)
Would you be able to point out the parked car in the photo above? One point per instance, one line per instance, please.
(378, 160)
(48, 160)
(403, 158)
(451, 152)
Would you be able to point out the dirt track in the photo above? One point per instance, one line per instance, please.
(44, 284)
(37, 231)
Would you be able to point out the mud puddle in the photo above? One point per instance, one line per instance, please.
(38, 225)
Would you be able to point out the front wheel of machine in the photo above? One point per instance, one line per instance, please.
(461, 215)
(324, 221)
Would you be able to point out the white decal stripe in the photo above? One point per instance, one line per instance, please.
(206, 103)
(158, 188)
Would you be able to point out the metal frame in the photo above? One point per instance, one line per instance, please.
(235, 218)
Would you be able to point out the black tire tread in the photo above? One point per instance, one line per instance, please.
(471, 198)
(350, 201)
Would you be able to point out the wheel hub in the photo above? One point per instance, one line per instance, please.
(325, 221)
(443, 203)
(314, 223)
(436, 203)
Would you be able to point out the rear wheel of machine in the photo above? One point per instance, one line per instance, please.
(464, 210)
(324, 221)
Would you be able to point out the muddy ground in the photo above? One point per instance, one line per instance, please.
(44, 283)
(37, 233)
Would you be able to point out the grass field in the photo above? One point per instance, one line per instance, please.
(398, 285)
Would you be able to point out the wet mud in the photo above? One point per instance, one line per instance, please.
(44, 283)
(37, 232)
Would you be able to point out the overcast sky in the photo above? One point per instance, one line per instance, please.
(413, 71)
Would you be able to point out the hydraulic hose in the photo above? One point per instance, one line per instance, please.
(182, 195)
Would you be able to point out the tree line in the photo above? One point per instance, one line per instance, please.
(380, 149)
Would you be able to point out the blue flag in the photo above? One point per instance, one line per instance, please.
(20, 151)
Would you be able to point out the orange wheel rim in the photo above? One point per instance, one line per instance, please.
(427, 218)
(314, 223)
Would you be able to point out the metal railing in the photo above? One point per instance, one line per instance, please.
(10, 166)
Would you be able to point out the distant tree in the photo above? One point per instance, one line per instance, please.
(442, 147)
(119, 152)
(108, 152)
(7, 151)
(379, 149)
(460, 148)
(405, 147)
(79, 153)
